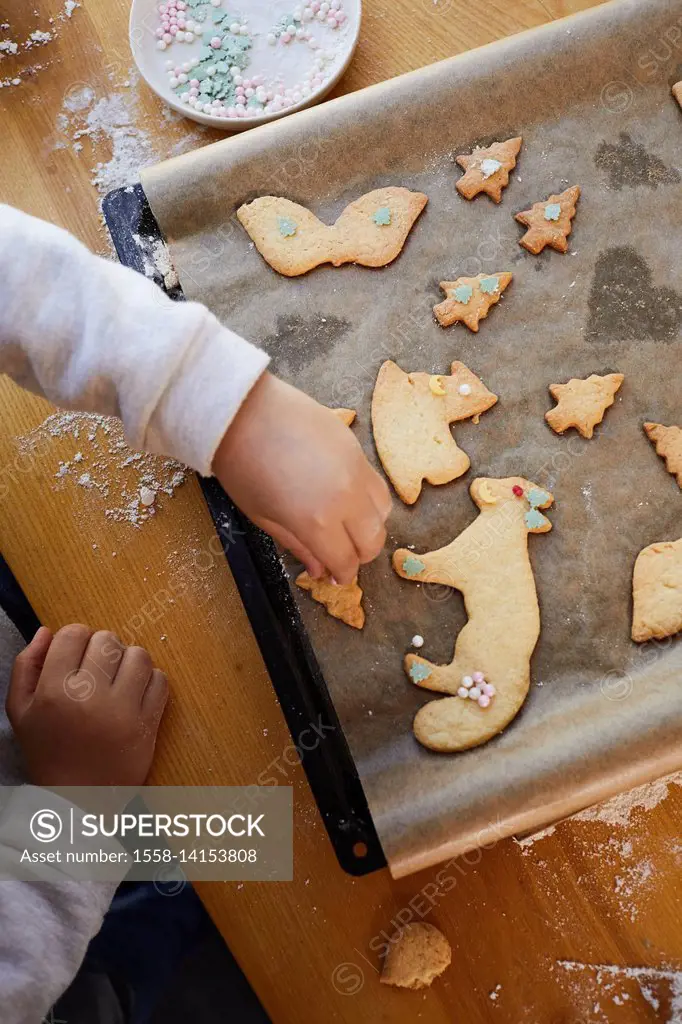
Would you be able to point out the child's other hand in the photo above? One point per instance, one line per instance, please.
(299, 473)
(85, 709)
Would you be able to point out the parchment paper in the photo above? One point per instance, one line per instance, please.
(590, 95)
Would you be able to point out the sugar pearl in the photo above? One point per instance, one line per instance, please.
(301, 33)
(307, 14)
(296, 97)
(244, 30)
(478, 678)
(320, 16)
(334, 5)
(464, 389)
(285, 37)
(467, 681)
(162, 8)
(332, 22)
(483, 701)
(194, 93)
(182, 78)
(291, 29)
(324, 8)
(238, 81)
(173, 30)
(341, 17)
(417, 640)
(194, 83)
(235, 28)
(474, 693)
(167, 38)
(173, 81)
(315, 6)
(231, 112)
(488, 689)
(216, 42)
(249, 93)
(161, 45)
(240, 90)
(272, 39)
(216, 3)
(186, 67)
(210, 71)
(180, 36)
(463, 692)
(240, 100)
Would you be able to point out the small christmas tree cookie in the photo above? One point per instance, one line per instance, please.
(582, 403)
(468, 299)
(549, 222)
(342, 601)
(487, 170)
(668, 444)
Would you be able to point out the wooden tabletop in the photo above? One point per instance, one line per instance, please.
(529, 926)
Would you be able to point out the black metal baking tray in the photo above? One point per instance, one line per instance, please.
(264, 590)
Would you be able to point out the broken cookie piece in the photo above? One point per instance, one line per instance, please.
(417, 955)
(549, 222)
(347, 416)
(487, 169)
(657, 592)
(469, 299)
(582, 403)
(668, 444)
(343, 601)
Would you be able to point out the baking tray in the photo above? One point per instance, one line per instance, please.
(594, 108)
(264, 590)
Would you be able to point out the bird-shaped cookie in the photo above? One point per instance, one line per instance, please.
(371, 230)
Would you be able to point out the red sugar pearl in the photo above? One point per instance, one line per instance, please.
(518, 491)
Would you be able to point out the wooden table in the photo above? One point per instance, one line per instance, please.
(590, 893)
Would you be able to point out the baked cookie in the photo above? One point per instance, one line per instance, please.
(668, 444)
(657, 592)
(411, 417)
(371, 231)
(489, 676)
(347, 416)
(468, 299)
(487, 170)
(677, 92)
(549, 222)
(417, 955)
(343, 601)
(582, 403)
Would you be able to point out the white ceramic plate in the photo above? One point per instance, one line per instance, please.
(282, 65)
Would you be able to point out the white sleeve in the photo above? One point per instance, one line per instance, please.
(92, 335)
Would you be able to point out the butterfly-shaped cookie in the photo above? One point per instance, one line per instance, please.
(371, 230)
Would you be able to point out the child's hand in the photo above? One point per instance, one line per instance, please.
(299, 473)
(85, 709)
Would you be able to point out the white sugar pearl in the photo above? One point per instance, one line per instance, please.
(467, 681)
(238, 80)
(249, 93)
(235, 28)
(320, 16)
(235, 70)
(161, 45)
(187, 67)
(307, 14)
(417, 640)
(173, 81)
(474, 693)
(300, 33)
(184, 96)
(179, 37)
(244, 30)
(169, 65)
(324, 8)
(210, 71)
(189, 25)
(464, 389)
(182, 78)
(272, 38)
(194, 61)
(216, 3)
(189, 37)
(334, 5)
(463, 692)
(298, 13)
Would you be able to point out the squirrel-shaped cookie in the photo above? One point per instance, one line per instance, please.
(371, 230)
(489, 676)
(411, 417)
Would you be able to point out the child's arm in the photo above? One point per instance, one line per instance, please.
(90, 334)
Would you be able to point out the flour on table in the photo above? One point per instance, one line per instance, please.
(128, 486)
(613, 985)
(10, 48)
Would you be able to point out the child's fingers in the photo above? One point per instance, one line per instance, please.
(26, 673)
(334, 548)
(381, 495)
(368, 533)
(287, 540)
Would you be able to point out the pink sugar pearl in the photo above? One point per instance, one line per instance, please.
(162, 8)
(478, 677)
(216, 42)
(167, 37)
(314, 7)
(240, 90)
(341, 17)
(488, 690)
(173, 30)
(285, 37)
(194, 83)
(159, 33)
(483, 701)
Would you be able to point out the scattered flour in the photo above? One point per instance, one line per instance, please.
(128, 483)
(39, 37)
(617, 810)
(610, 981)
